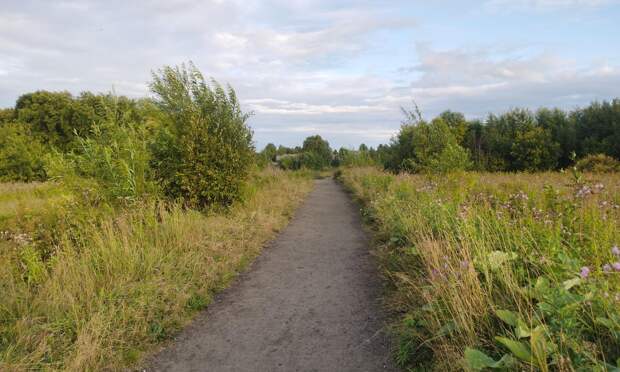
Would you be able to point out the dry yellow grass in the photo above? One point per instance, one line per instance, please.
(132, 279)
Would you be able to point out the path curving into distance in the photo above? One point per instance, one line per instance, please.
(310, 302)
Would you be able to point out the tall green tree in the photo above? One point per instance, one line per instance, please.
(317, 153)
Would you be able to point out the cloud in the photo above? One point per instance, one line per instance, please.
(508, 5)
(308, 66)
(478, 81)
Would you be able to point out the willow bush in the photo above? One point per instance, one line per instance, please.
(203, 150)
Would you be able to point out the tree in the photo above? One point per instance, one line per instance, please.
(49, 115)
(204, 151)
(534, 150)
(562, 131)
(427, 147)
(7, 116)
(269, 152)
(21, 155)
(319, 154)
(598, 128)
(457, 123)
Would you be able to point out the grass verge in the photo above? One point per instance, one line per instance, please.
(499, 271)
(92, 289)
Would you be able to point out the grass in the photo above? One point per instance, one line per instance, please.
(93, 289)
(499, 271)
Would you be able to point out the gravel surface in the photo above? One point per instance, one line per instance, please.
(310, 302)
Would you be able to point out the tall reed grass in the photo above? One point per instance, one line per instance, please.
(499, 271)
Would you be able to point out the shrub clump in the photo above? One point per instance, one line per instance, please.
(203, 151)
(20, 154)
(599, 163)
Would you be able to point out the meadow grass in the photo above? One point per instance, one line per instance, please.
(108, 283)
(498, 271)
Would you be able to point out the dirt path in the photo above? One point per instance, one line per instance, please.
(308, 303)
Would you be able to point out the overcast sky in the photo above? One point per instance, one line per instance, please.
(337, 68)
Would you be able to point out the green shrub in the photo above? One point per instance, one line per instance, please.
(115, 156)
(204, 150)
(316, 153)
(21, 155)
(289, 161)
(599, 163)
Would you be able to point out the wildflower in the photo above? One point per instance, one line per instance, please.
(464, 264)
(607, 268)
(585, 271)
(615, 251)
(583, 191)
(616, 266)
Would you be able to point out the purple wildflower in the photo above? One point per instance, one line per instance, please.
(585, 271)
(607, 268)
(616, 266)
(615, 251)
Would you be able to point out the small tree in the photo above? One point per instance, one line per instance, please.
(21, 155)
(317, 153)
(204, 151)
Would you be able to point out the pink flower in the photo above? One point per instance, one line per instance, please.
(616, 266)
(615, 251)
(585, 271)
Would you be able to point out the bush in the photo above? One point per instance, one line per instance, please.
(290, 161)
(204, 151)
(422, 147)
(317, 153)
(20, 154)
(115, 156)
(599, 163)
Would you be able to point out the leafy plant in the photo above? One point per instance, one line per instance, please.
(204, 150)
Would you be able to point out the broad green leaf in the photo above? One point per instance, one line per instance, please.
(477, 360)
(522, 329)
(519, 349)
(508, 317)
(571, 283)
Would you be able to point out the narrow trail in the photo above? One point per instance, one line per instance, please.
(310, 302)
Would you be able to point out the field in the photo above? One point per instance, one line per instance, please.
(93, 287)
(504, 271)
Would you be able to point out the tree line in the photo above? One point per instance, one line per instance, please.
(517, 140)
(190, 142)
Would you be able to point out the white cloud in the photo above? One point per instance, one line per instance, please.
(303, 66)
(478, 82)
(503, 5)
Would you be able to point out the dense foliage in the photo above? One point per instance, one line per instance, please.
(191, 142)
(204, 150)
(315, 154)
(517, 140)
(499, 271)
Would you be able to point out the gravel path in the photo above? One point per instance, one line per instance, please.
(310, 302)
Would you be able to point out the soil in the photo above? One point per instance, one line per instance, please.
(310, 302)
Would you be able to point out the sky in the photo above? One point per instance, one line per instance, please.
(341, 69)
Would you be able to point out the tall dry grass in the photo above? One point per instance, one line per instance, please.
(114, 285)
(506, 271)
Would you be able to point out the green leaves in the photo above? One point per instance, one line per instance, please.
(476, 360)
(518, 349)
(568, 284)
(508, 317)
(204, 152)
